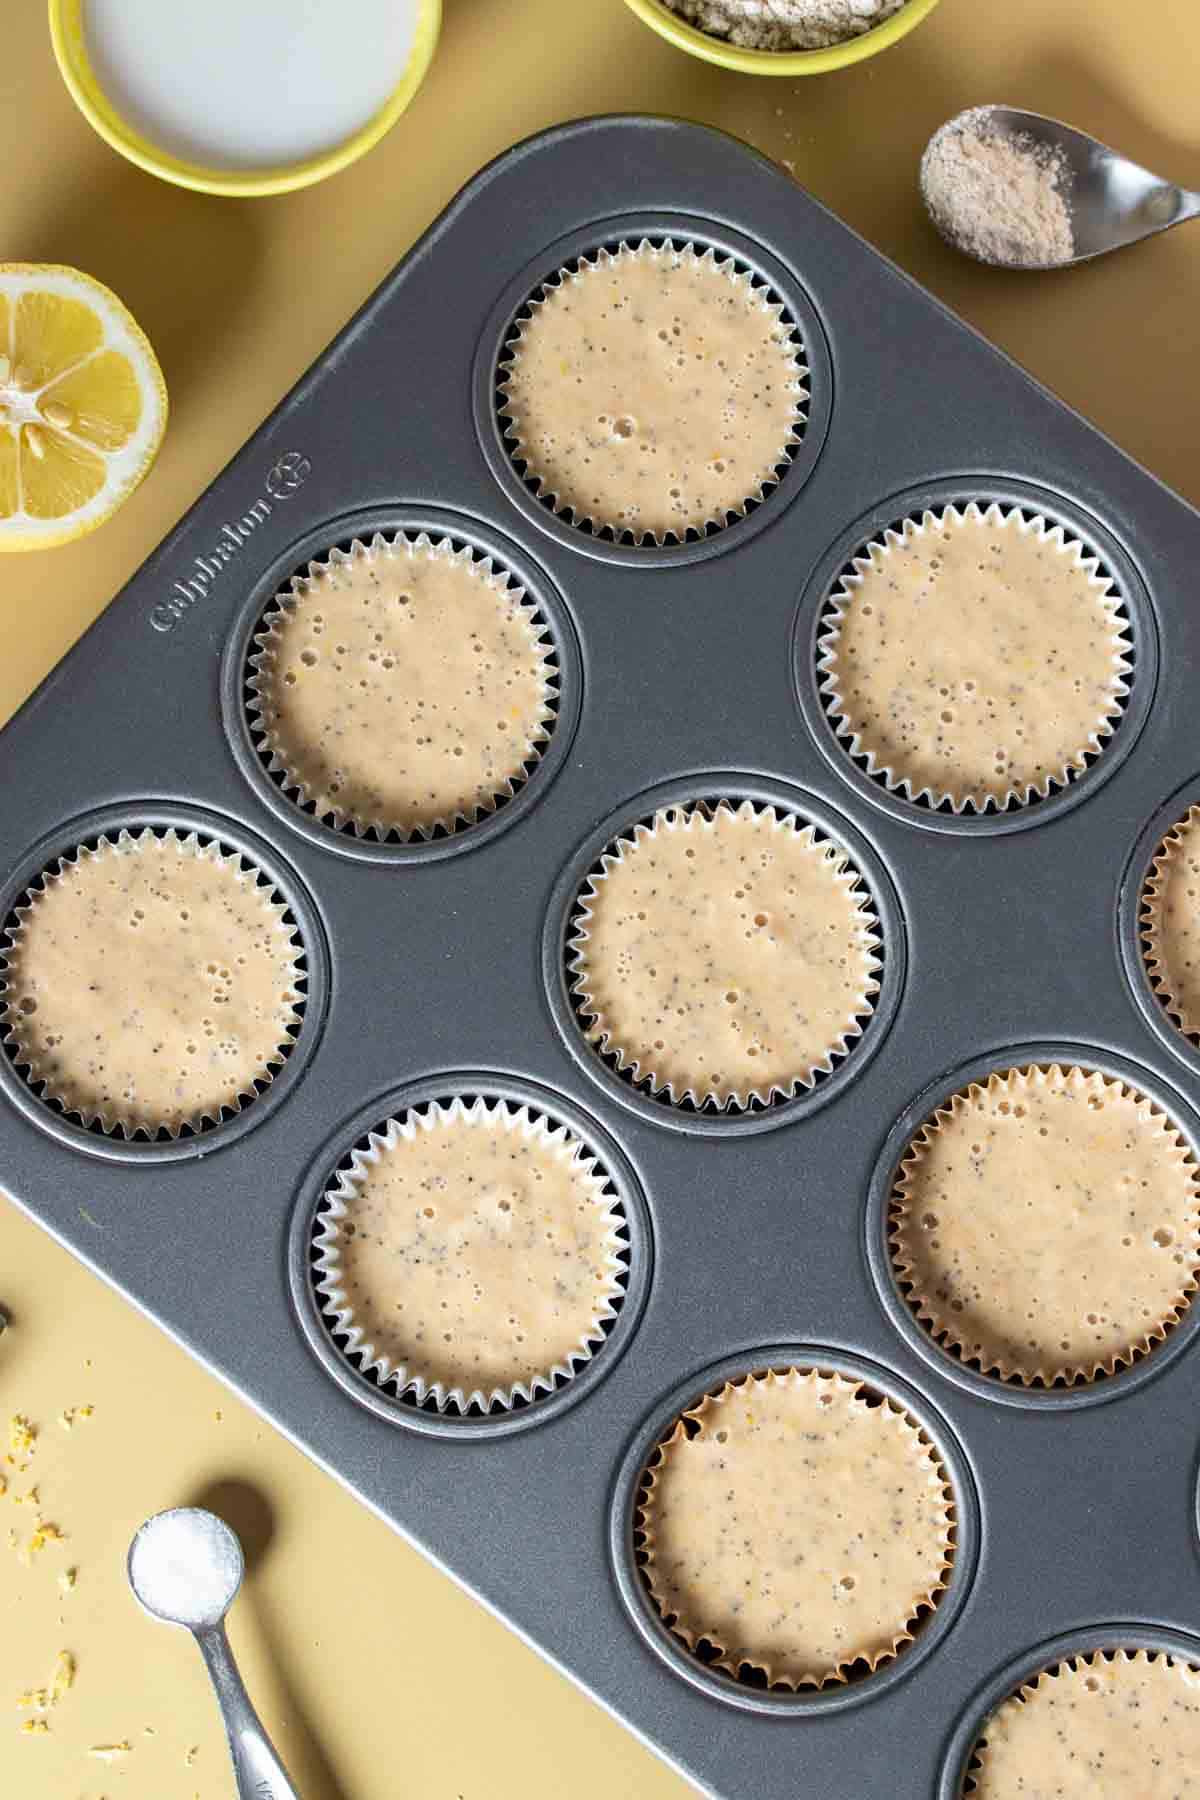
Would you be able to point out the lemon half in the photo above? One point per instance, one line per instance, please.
(83, 405)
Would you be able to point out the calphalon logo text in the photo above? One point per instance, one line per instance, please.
(289, 473)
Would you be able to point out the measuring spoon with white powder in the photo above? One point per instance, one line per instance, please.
(1025, 192)
(186, 1567)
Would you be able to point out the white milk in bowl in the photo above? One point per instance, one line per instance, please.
(244, 85)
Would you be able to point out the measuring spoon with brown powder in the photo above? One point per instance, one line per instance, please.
(1021, 191)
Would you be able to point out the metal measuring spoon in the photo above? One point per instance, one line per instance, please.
(185, 1567)
(1111, 200)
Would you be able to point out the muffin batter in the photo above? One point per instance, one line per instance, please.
(403, 686)
(150, 983)
(653, 390)
(1129, 1729)
(725, 955)
(1171, 922)
(975, 656)
(799, 1530)
(473, 1252)
(1047, 1224)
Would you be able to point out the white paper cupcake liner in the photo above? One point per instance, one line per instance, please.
(1085, 1668)
(59, 1095)
(524, 457)
(693, 1633)
(638, 1072)
(405, 1379)
(262, 660)
(1153, 931)
(839, 708)
(942, 1324)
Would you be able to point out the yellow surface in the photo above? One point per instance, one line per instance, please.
(67, 33)
(342, 1625)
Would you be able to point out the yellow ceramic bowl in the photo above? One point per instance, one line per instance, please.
(677, 31)
(70, 48)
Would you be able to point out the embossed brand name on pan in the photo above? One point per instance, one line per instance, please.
(283, 479)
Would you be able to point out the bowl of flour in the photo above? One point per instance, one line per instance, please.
(782, 37)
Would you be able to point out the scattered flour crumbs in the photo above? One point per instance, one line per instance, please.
(785, 24)
(998, 194)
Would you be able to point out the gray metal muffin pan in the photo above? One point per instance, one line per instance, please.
(686, 669)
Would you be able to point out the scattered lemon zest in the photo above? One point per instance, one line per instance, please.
(85, 1412)
(21, 1435)
(35, 1727)
(44, 1533)
(67, 1579)
(190, 1756)
(33, 1699)
(111, 1752)
(64, 1676)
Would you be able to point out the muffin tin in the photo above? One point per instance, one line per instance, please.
(686, 671)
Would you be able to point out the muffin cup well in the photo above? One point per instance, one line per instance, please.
(56, 1087)
(1090, 1088)
(305, 587)
(257, 858)
(398, 1393)
(892, 1291)
(829, 1389)
(628, 1061)
(523, 454)
(1072, 1650)
(750, 1690)
(991, 794)
(1178, 848)
(405, 1378)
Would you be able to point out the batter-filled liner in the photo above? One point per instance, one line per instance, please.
(739, 996)
(785, 1559)
(953, 715)
(1062, 1736)
(1101, 1273)
(1170, 924)
(336, 755)
(97, 971)
(563, 456)
(383, 1353)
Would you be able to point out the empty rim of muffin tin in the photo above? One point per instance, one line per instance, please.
(1148, 997)
(877, 1248)
(239, 699)
(710, 789)
(985, 490)
(313, 1315)
(956, 1764)
(161, 816)
(748, 256)
(635, 1593)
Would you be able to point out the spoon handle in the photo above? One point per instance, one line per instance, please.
(259, 1773)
